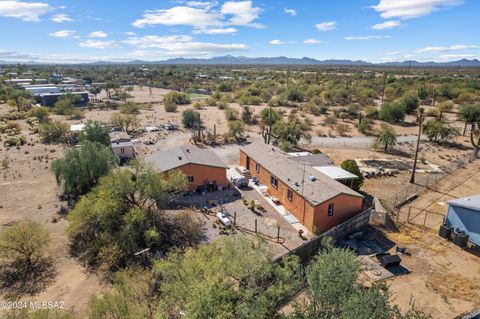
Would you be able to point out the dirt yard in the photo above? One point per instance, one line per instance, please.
(444, 281)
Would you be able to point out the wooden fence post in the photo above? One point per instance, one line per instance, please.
(408, 216)
(255, 225)
(234, 219)
(278, 233)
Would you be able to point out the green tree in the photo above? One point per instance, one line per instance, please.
(333, 290)
(392, 112)
(437, 130)
(123, 216)
(289, 134)
(365, 125)
(247, 115)
(18, 98)
(23, 256)
(54, 132)
(126, 122)
(270, 116)
(230, 278)
(177, 98)
(95, 90)
(410, 103)
(191, 119)
(95, 131)
(236, 129)
(386, 137)
(352, 167)
(81, 168)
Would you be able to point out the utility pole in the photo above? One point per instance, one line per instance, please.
(384, 83)
(409, 66)
(420, 122)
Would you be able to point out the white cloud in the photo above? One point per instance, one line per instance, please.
(62, 33)
(291, 12)
(130, 34)
(201, 4)
(214, 30)
(368, 37)
(61, 18)
(277, 42)
(312, 41)
(408, 9)
(386, 25)
(179, 16)
(98, 34)
(26, 11)
(242, 13)
(97, 44)
(326, 26)
(179, 46)
(457, 47)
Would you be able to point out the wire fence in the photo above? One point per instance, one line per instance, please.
(412, 191)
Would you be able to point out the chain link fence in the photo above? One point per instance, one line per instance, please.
(412, 191)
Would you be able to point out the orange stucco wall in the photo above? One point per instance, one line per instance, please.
(203, 174)
(312, 217)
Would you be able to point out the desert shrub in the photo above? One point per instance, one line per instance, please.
(231, 114)
(54, 132)
(352, 167)
(386, 137)
(130, 108)
(95, 131)
(10, 128)
(365, 125)
(342, 129)
(15, 141)
(269, 116)
(437, 130)
(177, 98)
(410, 103)
(392, 112)
(25, 266)
(191, 119)
(40, 113)
(169, 106)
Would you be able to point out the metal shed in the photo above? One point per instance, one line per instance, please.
(464, 214)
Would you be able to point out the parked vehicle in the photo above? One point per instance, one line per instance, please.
(223, 218)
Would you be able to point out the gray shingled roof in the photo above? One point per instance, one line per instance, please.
(181, 155)
(292, 173)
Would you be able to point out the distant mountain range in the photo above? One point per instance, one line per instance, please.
(241, 60)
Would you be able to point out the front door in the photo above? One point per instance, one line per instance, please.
(248, 163)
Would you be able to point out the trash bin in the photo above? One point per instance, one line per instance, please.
(460, 238)
(445, 231)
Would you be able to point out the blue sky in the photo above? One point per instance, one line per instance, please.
(370, 30)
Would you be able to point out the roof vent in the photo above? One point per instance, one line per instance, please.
(297, 184)
(179, 158)
(312, 178)
(188, 150)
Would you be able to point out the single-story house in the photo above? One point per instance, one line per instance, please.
(122, 145)
(316, 200)
(464, 215)
(204, 170)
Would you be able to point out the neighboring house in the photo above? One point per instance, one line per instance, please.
(316, 200)
(203, 169)
(464, 214)
(49, 99)
(122, 145)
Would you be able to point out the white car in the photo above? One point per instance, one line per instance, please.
(223, 218)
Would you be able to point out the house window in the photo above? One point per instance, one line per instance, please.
(273, 181)
(122, 150)
(290, 194)
(190, 179)
(331, 208)
(257, 167)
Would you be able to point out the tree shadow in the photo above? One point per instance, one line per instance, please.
(16, 278)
